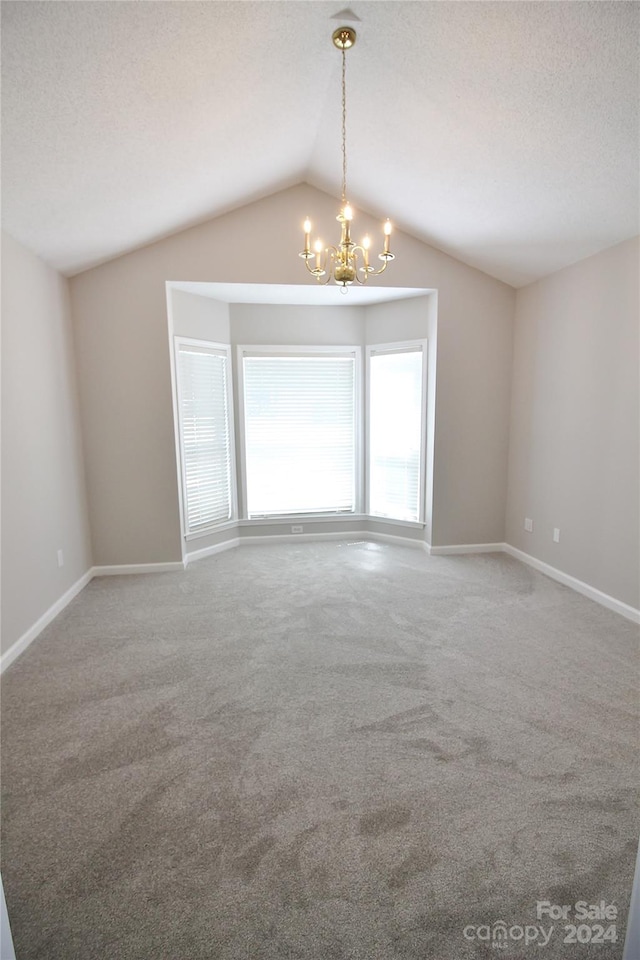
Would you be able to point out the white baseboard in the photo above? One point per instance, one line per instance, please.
(292, 537)
(209, 551)
(578, 585)
(392, 538)
(21, 645)
(125, 569)
(454, 548)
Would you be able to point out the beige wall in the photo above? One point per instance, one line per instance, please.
(253, 323)
(119, 312)
(201, 318)
(574, 443)
(43, 492)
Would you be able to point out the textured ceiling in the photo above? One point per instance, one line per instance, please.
(503, 133)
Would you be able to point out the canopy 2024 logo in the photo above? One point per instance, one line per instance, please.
(587, 923)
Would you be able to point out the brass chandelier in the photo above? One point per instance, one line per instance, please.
(347, 261)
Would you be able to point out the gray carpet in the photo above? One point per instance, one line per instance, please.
(320, 752)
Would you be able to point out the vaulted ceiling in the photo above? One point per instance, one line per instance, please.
(503, 133)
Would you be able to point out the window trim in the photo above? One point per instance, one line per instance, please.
(377, 349)
(222, 349)
(341, 350)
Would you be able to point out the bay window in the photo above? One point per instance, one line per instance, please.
(301, 428)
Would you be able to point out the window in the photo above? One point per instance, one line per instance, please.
(301, 432)
(396, 395)
(205, 425)
(301, 426)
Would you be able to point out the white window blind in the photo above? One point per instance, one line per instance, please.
(300, 434)
(396, 433)
(203, 374)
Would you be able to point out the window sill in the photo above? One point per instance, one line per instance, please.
(304, 517)
(328, 518)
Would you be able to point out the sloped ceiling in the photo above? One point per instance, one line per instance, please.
(503, 133)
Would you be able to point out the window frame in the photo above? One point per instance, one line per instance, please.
(348, 350)
(377, 349)
(221, 349)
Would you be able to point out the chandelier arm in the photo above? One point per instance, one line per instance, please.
(358, 253)
(324, 269)
(319, 275)
(367, 269)
(318, 271)
(376, 273)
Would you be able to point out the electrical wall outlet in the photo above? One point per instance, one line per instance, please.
(296, 529)
(556, 534)
(528, 525)
(60, 558)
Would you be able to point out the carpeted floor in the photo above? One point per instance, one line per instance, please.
(321, 752)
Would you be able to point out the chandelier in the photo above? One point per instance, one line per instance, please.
(348, 261)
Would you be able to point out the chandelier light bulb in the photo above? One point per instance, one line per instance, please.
(366, 243)
(385, 256)
(347, 213)
(318, 246)
(307, 227)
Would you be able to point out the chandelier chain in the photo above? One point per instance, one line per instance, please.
(344, 126)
